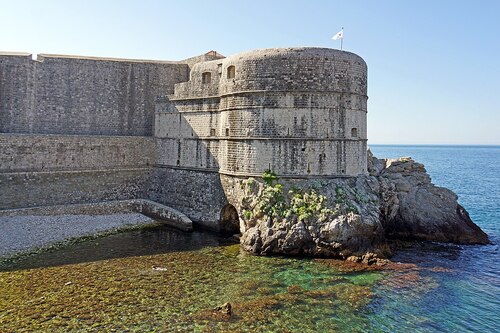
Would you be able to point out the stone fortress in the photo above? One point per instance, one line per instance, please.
(85, 130)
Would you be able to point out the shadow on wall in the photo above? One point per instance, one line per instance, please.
(300, 112)
(186, 175)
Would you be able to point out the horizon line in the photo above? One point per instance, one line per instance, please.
(438, 144)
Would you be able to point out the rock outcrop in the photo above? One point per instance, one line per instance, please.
(348, 217)
(415, 209)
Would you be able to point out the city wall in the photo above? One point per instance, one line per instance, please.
(41, 170)
(83, 95)
(86, 130)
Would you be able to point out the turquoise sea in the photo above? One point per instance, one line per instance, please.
(467, 299)
(162, 280)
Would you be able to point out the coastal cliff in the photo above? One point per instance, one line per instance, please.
(352, 218)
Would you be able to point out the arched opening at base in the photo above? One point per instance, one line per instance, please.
(229, 220)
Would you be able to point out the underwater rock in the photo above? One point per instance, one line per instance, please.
(158, 268)
(225, 308)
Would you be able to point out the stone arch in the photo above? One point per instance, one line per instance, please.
(229, 220)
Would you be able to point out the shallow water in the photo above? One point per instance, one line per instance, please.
(177, 287)
(109, 284)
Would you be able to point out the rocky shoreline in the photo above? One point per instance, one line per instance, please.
(354, 218)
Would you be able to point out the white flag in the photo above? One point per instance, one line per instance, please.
(339, 35)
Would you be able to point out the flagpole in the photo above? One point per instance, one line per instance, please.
(342, 39)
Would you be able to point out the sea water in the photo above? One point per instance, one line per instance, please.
(467, 298)
(163, 280)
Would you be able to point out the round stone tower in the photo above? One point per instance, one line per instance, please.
(300, 112)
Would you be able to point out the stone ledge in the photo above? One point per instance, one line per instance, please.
(157, 211)
(168, 215)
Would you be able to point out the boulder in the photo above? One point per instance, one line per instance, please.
(423, 211)
(351, 225)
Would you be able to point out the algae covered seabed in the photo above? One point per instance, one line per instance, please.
(162, 280)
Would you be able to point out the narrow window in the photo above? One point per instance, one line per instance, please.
(206, 77)
(227, 131)
(212, 132)
(231, 72)
(354, 132)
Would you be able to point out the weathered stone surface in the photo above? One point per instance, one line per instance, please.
(397, 201)
(351, 227)
(58, 94)
(414, 208)
(298, 111)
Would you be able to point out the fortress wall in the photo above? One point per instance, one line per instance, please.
(291, 141)
(39, 170)
(56, 152)
(31, 189)
(285, 70)
(81, 95)
(16, 92)
(196, 86)
(287, 157)
(296, 69)
(197, 194)
(293, 158)
(190, 153)
(184, 125)
(269, 114)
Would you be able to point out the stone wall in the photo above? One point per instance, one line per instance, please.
(17, 98)
(197, 194)
(83, 95)
(30, 189)
(40, 170)
(26, 152)
(76, 128)
(300, 112)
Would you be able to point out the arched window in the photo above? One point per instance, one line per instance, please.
(354, 132)
(206, 77)
(231, 72)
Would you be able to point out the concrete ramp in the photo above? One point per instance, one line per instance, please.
(165, 214)
(154, 210)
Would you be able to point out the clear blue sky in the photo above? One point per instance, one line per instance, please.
(434, 66)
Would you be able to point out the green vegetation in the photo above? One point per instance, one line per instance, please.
(269, 177)
(125, 294)
(341, 199)
(297, 204)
